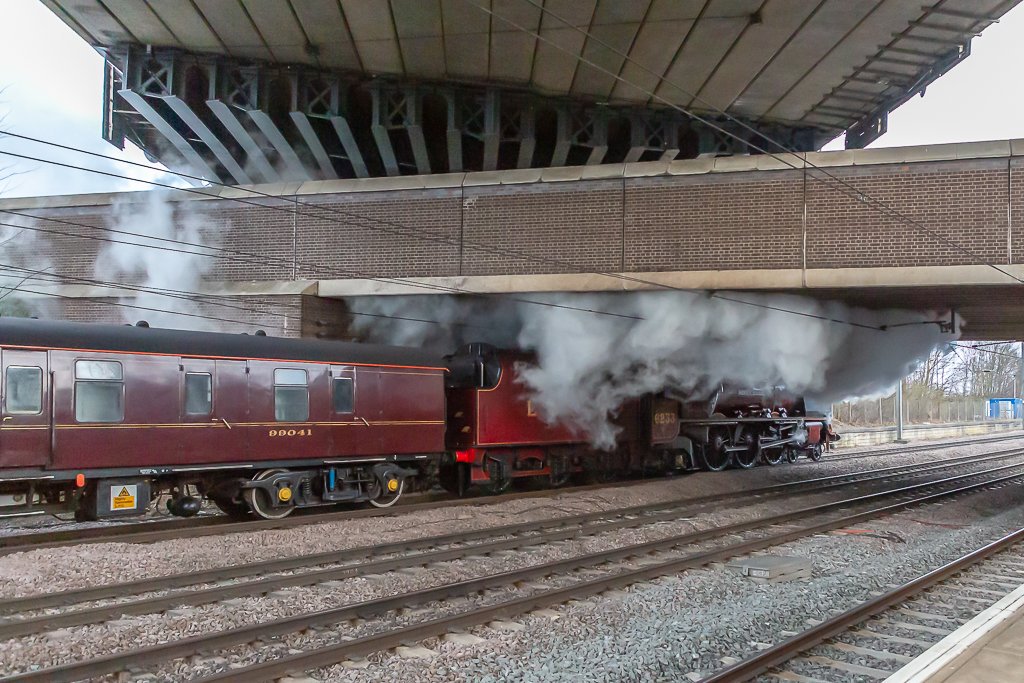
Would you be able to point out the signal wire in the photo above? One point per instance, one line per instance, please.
(421, 234)
(201, 298)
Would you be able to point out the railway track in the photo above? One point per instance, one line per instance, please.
(154, 531)
(544, 584)
(917, 448)
(894, 627)
(516, 537)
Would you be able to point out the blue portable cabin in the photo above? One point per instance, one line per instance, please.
(1005, 409)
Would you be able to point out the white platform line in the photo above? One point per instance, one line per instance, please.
(949, 648)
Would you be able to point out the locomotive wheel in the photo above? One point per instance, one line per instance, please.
(386, 500)
(791, 454)
(746, 458)
(560, 470)
(815, 453)
(259, 500)
(716, 458)
(773, 456)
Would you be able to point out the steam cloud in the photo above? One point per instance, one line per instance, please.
(588, 364)
(157, 272)
(25, 270)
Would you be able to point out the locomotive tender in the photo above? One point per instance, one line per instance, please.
(100, 419)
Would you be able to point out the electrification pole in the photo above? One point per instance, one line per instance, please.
(1020, 383)
(899, 411)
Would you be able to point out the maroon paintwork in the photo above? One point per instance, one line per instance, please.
(501, 416)
(397, 411)
(25, 439)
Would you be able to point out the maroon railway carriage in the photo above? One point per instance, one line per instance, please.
(100, 418)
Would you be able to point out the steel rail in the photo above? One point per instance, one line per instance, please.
(155, 531)
(332, 654)
(151, 655)
(917, 448)
(788, 649)
(222, 524)
(27, 626)
(671, 509)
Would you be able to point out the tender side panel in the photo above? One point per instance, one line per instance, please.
(506, 416)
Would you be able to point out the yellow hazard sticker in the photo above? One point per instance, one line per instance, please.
(123, 497)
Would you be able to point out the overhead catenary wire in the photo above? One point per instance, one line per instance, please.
(981, 347)
(401, 281)
(198, 297)
(854, 192)
(40, 277)
(151, 308)
(420, 234)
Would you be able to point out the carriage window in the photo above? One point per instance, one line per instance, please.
(291, 395)
(99, 391)
(341, 390)
(24, 390)
(198, 393)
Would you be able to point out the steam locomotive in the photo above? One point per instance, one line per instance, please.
(100, 419)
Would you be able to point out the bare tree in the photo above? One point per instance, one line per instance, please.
(6, 171)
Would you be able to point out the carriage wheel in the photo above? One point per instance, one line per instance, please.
(385, 499)
(773, 456)
(716, 458)
(231, 508)
(747, 458)
(259, 499)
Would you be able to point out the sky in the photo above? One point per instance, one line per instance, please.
(52, 88)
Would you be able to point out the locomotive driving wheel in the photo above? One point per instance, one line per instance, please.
(791, 454)
(259, 499)
(773, 456)
(815, 453)
(716, 457)
(747, 457)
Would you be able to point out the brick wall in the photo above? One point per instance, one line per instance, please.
(1017, 208)
(716, 221)
(723, 222)
(954, 207)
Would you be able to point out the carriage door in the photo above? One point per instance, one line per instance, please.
(200, 435)
(26, 431)
(346, 431)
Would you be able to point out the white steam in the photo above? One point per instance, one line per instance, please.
(589, 363)
(162, 274)
(26, 271)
